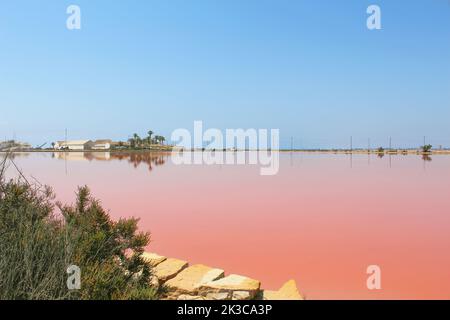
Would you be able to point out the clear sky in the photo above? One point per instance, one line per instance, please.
(310, 68)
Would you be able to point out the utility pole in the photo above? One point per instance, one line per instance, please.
(351, 143)
(390, 143)
(368, 145)
(65, 136)
(292, 144)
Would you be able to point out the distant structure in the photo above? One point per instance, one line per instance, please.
(12, 145)
(78, 145)
(104, 144)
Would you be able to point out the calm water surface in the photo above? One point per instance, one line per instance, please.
(321, 220)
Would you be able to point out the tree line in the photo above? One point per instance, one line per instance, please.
(137, 142)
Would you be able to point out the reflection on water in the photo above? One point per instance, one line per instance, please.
(150, 159)
(153, 159)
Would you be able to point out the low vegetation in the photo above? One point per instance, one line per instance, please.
(137, 142)
(40, 239)
(426, 148)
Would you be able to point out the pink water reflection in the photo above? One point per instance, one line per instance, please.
(322, 220)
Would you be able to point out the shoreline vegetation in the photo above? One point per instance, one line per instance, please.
(42, 240)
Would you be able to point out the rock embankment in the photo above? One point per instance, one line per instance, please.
(199, 282)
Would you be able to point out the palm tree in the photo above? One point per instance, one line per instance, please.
(150, 132)
(136, 139)
(162, 139)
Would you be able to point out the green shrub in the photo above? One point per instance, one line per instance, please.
(38, 243)
(426, 148)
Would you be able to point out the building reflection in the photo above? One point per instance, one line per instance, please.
(150, 159)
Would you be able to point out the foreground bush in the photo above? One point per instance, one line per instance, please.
(40, 239)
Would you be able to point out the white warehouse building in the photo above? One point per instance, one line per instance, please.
(74, 145)
(102, 144)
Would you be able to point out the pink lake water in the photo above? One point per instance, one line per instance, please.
(322, 220)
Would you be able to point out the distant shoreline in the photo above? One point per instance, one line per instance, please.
(323, 151)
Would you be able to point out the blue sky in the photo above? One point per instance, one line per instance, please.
(310, 68)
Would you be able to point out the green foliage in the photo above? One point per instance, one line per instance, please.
(37, 246)
(137, 142)
(426, 148)
(34, 248)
